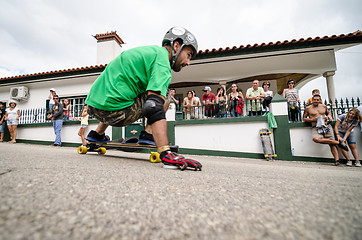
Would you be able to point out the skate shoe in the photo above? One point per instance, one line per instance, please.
(93, 136)
(146, 138)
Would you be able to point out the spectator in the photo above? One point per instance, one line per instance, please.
(83, 124)
(236, 101)
(56, 115)
(12, 116)
(174, 99)
(254, 95)
(198, 107)
(221, 102)
(360, 112)
(208, 99)
(344, 132)
(67, 110)
(314, 92)
(50, 97)
(322, 133)
(2, 121)
(189, 105)
(268, 95)
(292, 96)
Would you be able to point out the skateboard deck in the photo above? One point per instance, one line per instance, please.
(128, 145)
(267, 144)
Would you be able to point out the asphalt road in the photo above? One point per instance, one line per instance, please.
(54, 193)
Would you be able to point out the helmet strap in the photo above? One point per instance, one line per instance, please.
(174, 55)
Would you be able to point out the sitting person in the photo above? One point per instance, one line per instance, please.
(314, 92)
(324, 133)
(344, 132)
(268, 95)
(189, 105)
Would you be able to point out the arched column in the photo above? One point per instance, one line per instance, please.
(330, 85)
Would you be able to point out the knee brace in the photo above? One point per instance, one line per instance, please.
(153, 109)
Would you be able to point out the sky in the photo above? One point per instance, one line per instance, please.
(45, 35)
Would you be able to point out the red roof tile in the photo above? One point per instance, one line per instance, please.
(108, 36)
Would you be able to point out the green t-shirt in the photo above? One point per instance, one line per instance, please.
(131, 73)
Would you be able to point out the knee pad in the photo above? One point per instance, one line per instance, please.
(153, 109)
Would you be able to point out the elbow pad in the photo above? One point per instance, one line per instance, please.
(153, 109)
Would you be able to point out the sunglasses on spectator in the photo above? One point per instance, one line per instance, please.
(55, 98)
(291, 83)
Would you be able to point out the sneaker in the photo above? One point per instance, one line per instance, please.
(93, 136)
(349, 163)
(343, 145)
(358, 164)
(336, 163)
(146, 138)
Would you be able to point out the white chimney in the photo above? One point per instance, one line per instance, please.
(109, 46)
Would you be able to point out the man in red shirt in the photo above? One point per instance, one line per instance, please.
(208, 99)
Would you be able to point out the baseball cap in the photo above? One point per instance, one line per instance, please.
(207, 88)
(52, 89)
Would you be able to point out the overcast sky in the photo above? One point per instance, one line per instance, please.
(45, 35)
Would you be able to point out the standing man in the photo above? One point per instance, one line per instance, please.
(135, 84)
(324, 134)
(208, 99)
(254, 95)
(56, 115)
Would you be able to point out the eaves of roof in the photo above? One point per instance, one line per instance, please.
(334, 40)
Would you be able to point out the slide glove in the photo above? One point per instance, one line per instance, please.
(180, 161)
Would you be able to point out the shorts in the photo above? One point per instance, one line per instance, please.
(2, 127)
(351, 138)
(123, 117)
(329, 135)
(83, 126)
(12, 122)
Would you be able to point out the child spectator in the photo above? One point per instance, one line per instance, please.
(83, 124)
(50, 97)
(343, 130)
(314, 92)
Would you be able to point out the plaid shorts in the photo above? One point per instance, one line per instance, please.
(123, 117)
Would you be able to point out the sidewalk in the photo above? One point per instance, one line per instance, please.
(54, 193)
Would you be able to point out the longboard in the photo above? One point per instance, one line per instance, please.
(267, 144)
(128, 145)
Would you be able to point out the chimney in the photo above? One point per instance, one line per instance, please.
(109, 46)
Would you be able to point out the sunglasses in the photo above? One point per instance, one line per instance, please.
(55, 98)
(291, 83)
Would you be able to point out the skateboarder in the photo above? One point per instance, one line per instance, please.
(322, 133)
(135, 84)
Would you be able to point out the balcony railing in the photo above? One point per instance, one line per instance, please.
(250, 108)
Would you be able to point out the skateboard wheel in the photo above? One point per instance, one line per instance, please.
(275, 155)
(261, 133)
(269, 132)
(101, 150)
(82, 150)
(155, 157)
(266, 156)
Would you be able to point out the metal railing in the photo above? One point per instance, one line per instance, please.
(250, 108)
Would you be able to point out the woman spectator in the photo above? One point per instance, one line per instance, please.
(12, 117)
(198, 105)
(189, 105)
(67, 109)
(343, 130)
(221, 103)
(236, 101)
(292, 96)
(268, 95)
(2, 121)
